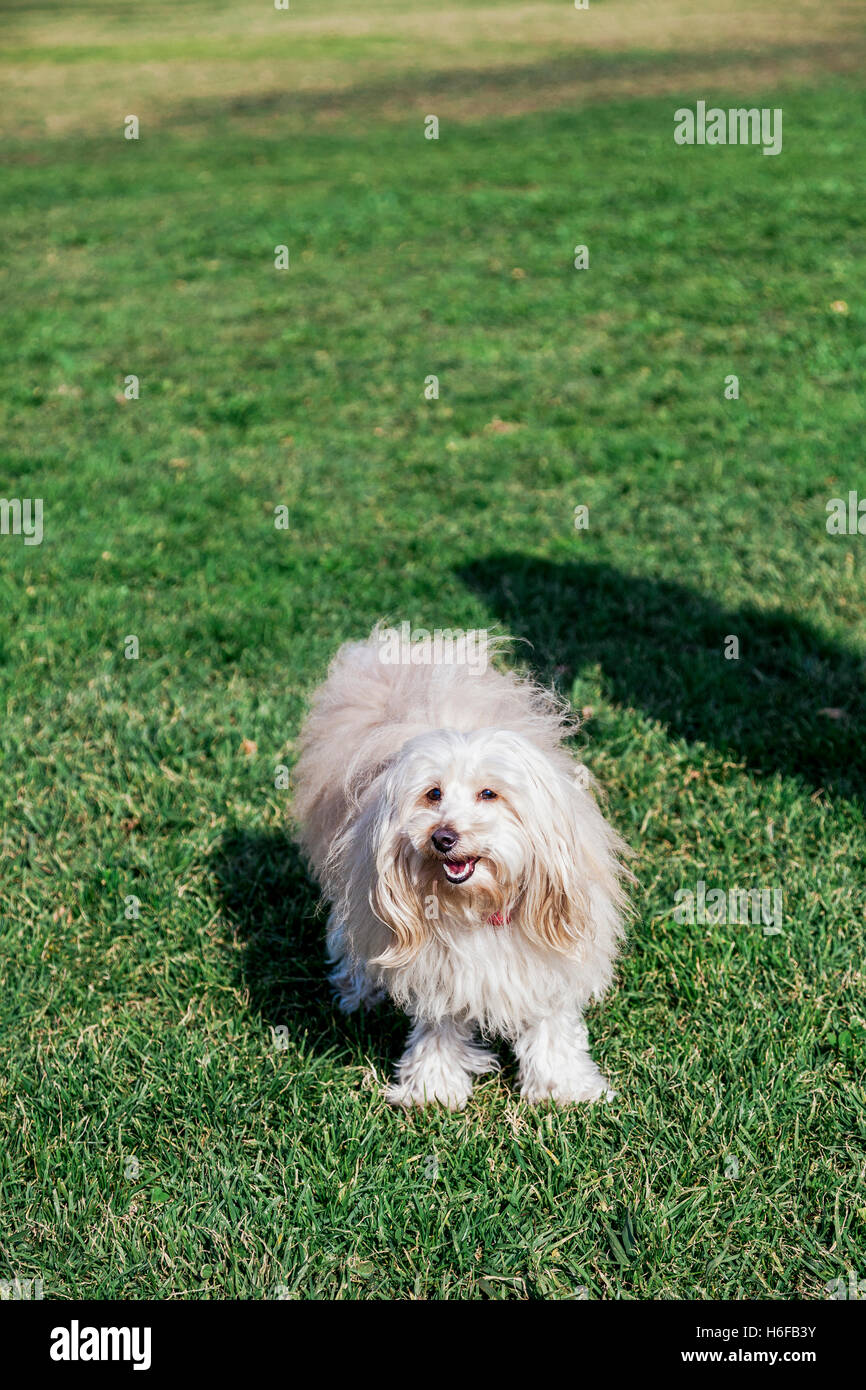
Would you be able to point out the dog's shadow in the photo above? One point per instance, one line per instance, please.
(791, 703)
(272, 907)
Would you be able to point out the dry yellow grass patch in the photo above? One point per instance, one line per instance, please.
(78, 72)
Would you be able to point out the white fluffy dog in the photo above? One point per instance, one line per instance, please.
(471, 875)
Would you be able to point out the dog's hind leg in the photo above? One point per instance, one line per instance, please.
(353, 989)
(352, 986)
(438, 1065)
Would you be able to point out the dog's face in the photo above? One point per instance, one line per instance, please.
(458, 804)
(474, 827)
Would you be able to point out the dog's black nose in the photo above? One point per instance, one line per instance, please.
(444, 839)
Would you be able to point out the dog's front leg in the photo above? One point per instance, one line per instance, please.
(438, 1065)
(555, 1063)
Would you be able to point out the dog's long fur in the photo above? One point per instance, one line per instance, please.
(521, 947)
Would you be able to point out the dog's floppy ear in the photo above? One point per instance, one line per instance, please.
(392, 894)
(368, 878)
(555, 906)
(572, 882)
(394, 900)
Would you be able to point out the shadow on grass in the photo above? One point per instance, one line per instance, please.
(270, 902)
(792, 703)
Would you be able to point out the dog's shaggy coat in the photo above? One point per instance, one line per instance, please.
(470, 873)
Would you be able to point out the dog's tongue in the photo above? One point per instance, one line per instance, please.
(459, 870)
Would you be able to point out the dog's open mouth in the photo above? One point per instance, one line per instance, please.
(459, 870)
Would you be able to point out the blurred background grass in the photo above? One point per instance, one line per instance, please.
(164, 1139)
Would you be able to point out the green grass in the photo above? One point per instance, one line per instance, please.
(185, 1113)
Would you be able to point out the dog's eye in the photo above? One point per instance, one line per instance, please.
(434, 794)
(487, 795)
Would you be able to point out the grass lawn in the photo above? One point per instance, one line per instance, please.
(185, 1114)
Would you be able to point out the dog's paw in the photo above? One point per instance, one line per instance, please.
(451, 1091)
(563, 1090)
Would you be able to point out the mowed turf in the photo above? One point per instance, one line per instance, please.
(185, 1113)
